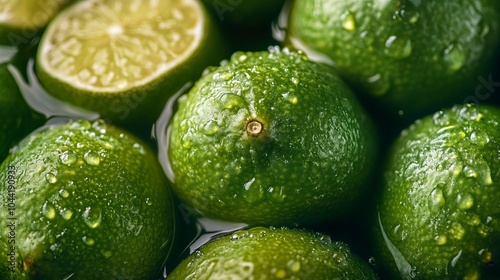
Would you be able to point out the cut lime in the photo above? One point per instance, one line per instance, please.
(21, 19)
(125, 59)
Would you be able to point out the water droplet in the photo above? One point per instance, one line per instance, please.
(479, 138)
(210, 128)
(454, 57)
(456, 258)
(441, 119)
(294, 266)
(348, 21)
(67, 157)
(410, 16)
(80, 125)
(465, 201)
(63, 193)
(149, 202)
(485, 255)
(276, 194)
(140, 148)
(473, 220)
(48, 211)
(489, 219)
(469, 112)
(295, 80)
(92, 217)
(253, 191)
(457, 231)
(51, 178)
(479, 168)
(66, 214)
(92, 158)
(186, 142)
(232, 101)
(238, 57)
(378, 84)
(441, 239)
(436, 200)
(397, 47)
(100, 126)
(88, 241)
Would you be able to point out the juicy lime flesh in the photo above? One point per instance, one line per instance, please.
(90, 201)
(32, 14)
(409, 57)
(270, 138)
(263, 253)
(439, 211)
(112, 46)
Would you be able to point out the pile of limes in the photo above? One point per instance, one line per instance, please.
(238, 139)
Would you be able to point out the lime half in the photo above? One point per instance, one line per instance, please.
(121, 58)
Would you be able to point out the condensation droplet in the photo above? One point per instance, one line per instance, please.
(106, 254)
(276, 194)
(92, 158)
(239, 57)
(149, 202)
(378, 84)
(441, 239)
(48, 211)
(63, 193)
(67, 157)
(465, 201)
(469, 112)
(410, 16)
(348, 21)
(92, 217)
(253, 191)
(485, 255)
(100, 126)
(457, 231)
(436, 200)
(294, 266)
(80, 125)
(397, 47)
(455, 259)
(51, 178)
(66, 214)
(295, 80)
(140, 148)
(441, 119)
(454, 58)
(232, 101)
(479, 138)
(88, 241)
(211, 128)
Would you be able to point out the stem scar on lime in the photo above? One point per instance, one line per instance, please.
(255, 128)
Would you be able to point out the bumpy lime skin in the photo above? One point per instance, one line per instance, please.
(439, 213)
(411, 57)
(88, 201)
(308, 163)
(270, 253)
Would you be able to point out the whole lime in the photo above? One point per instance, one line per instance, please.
(407, 57)
(270, 138)
(86, 201)
(439, 213)
(270, 253)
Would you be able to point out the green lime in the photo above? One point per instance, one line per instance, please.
(270, 253)
(14, 112)
(270, 138)
(20, 20)
(85, 201)
(244, 13)
(125, 59)
(439, 213)
(407, 57)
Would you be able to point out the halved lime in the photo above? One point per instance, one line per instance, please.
(21, 19)
(125, 59)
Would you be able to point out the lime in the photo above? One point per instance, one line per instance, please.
(84, 200)
(244, 13)
(14, 112)
(20, 20)
(439, 214)
(407, 57)
(125, 59)
(271, 253)
(270, 138)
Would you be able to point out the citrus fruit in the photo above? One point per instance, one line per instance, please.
(14, 112)
(272, 253)
(439, 213)
(86, 201)
(20, 20)
(270, 138)
(243, 13)
(125, 59)
(407, 57)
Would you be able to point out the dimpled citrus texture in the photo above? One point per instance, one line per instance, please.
(439, 214)
(409, 57)
(269, 253)
(307, 162)
(90, 202)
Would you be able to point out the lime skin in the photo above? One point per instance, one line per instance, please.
(84, 200)
(273, 253)
(439, 212)
(270, 138)
(406, 58)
